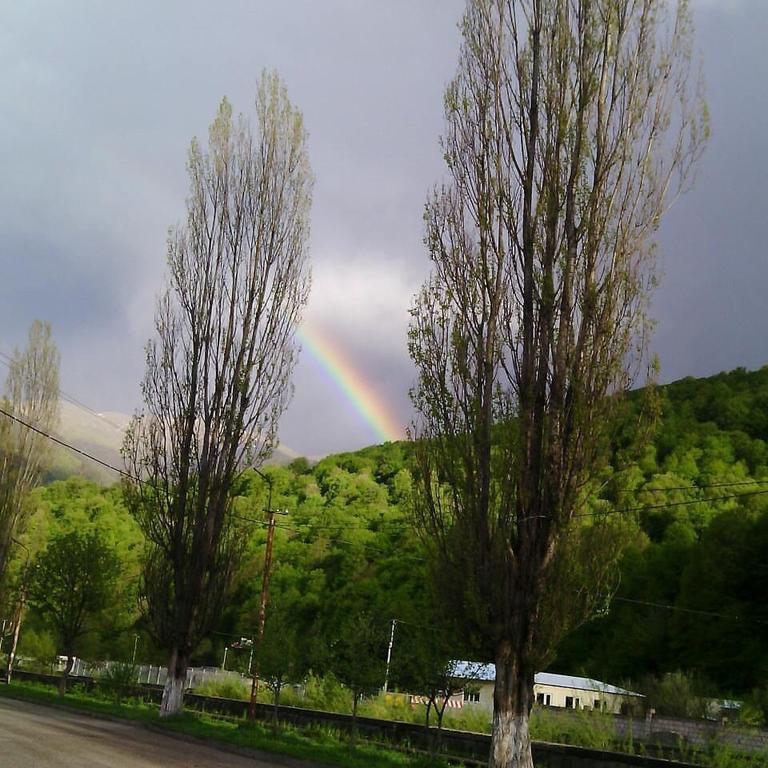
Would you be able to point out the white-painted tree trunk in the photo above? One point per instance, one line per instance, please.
(173, 690)
(14, 646)
(65, 674)
(512, 697)
(511, 741)
(173, 695)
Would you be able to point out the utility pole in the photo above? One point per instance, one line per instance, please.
(389, 654)
(263, 602)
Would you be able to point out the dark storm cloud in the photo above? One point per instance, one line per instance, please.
(711, 304)
(99, 104)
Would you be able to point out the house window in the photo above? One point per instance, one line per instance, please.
(569, 702)
(599, 705)
(544, 699)
(473, 696)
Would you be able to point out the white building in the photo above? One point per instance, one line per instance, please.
(549, 690)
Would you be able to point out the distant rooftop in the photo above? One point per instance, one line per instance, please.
(487, 673)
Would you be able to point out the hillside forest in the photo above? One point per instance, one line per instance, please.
(689, 597)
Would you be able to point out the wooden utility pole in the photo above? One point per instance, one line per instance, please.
(263, 602)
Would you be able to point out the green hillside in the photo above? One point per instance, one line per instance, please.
(693, 585)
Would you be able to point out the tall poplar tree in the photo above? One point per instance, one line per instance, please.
(31, 398)
(218, 372)
(570, 127)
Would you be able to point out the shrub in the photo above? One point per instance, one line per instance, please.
(675, 694)
(229, 688)
(118, 681)
(754, 709)
(584, 728)
(326, 693)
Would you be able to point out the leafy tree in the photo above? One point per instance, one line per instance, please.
(427, 665)
(282, 652)
(32, 397)
(570, 127)
(72, 581)
(218, 373)
(357, 658)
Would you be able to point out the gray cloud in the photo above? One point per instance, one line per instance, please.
(100, 102)
(710, 307)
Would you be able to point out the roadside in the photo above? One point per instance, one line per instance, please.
(44, 737)
(307, 748)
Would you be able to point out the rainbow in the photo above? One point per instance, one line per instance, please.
(359, 392)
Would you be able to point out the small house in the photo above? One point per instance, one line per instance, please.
(549, 690)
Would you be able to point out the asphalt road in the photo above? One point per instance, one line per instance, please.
(32, 736)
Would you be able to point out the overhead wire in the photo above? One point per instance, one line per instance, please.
(65, 444)
(7, 360)
(626, 510)
(683, 609)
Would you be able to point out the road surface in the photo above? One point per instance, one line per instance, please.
(33, 736)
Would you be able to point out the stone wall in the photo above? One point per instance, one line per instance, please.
(670, 731)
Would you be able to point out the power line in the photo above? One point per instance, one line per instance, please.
(332, 539)
(669, 504)
(627, 510)
(7, 360)
(695, 611)
(65, 444)
(693, 487)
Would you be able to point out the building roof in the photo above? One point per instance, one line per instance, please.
(487, 673)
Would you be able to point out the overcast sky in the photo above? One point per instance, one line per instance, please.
(99, 103)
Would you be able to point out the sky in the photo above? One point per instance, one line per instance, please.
(99, 104)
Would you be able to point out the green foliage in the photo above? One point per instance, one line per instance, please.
(704, 560)
(225, 689)
(72, 581)
(118, 681)
(346, 546)
(37, 651)
(754, 709)
(326, 693)
(675, 694)
(585, 728)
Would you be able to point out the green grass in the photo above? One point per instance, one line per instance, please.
(313, 744)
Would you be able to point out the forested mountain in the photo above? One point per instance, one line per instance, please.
(708, 560)
(691, 594)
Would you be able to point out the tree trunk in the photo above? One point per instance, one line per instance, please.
(512, 698)
(173, 691)
(65, 674)
(15, 640)
(438, 742)
(276, 706)
(353, 732)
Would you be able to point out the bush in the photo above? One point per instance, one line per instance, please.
(581, 727)
(754, 709)
(229, 688)
(676, 694)
(326, 693)
(118, 681)
(36, 652)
